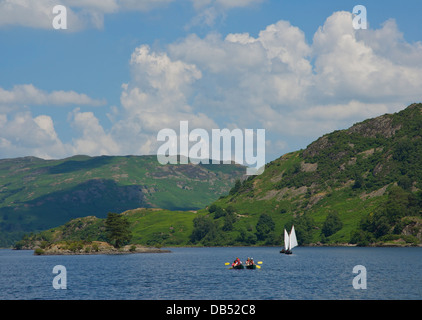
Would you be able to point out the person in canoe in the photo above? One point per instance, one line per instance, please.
(236, 263)
(249, 262)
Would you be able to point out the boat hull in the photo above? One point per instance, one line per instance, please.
(239, 267)
(251, 267)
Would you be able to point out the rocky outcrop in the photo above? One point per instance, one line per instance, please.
(94, 247)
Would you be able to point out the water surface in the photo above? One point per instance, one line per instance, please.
(200, 273)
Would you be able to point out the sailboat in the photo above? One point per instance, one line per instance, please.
(290, 241)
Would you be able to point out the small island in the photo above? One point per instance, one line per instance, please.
(75, 238)
(92, 247)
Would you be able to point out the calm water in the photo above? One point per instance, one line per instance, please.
(200, 273)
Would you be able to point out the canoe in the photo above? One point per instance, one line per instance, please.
(243, 267)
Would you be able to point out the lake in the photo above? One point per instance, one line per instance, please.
(310, 273)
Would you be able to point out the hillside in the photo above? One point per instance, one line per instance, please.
(366, 180)
(148, 226)
(37, 194)
(356, 186)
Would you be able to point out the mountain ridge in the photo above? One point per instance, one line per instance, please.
(353, 173)
(37, 194)
(357, 186)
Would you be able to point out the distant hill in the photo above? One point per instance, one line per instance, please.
(357, 186)
(37, 194)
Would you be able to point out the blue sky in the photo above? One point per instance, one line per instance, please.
(125, 69)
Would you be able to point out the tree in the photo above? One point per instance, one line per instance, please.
(219, 212)
(201, 227)
(236, 187)
(246, 237)
(332, 224)
(117, 229)
(212, 208)
(229, 219)
(264, 226)
(304, 226)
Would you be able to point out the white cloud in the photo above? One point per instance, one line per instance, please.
(23, 135)
(39, 14)
(28, 94)
(348, 67)
(82, 14)
(295, 90)
(208, 11)
(93, 139)
(159, 92)
(157, 97)
(259, 75)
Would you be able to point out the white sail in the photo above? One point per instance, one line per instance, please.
(286, 240)
(292, 239)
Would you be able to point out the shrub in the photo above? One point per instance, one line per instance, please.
(38, 251)
(95, 247)
(332, 224)
(264, 226)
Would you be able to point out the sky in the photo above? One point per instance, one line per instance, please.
(123, 70)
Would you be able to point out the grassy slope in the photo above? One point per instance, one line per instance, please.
(38, 194)
(282, 209)
(380, 153)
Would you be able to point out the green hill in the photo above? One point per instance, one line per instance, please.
(148, 226)
(37, 194)
(361, 185)
(366, 180)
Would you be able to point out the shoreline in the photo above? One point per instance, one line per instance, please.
(55, 249)
(93, 248)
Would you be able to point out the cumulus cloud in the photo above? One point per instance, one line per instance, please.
(158, 96)
(208, 11)
(277, 81)
(39, 14)
(93, 140)
(297, 89)
(23, 135)
(28, 94)
(82, 14)
(349, 64)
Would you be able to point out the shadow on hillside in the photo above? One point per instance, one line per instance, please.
(95, 197)
(80, 164)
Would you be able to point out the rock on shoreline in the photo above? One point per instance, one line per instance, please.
(94, 247)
